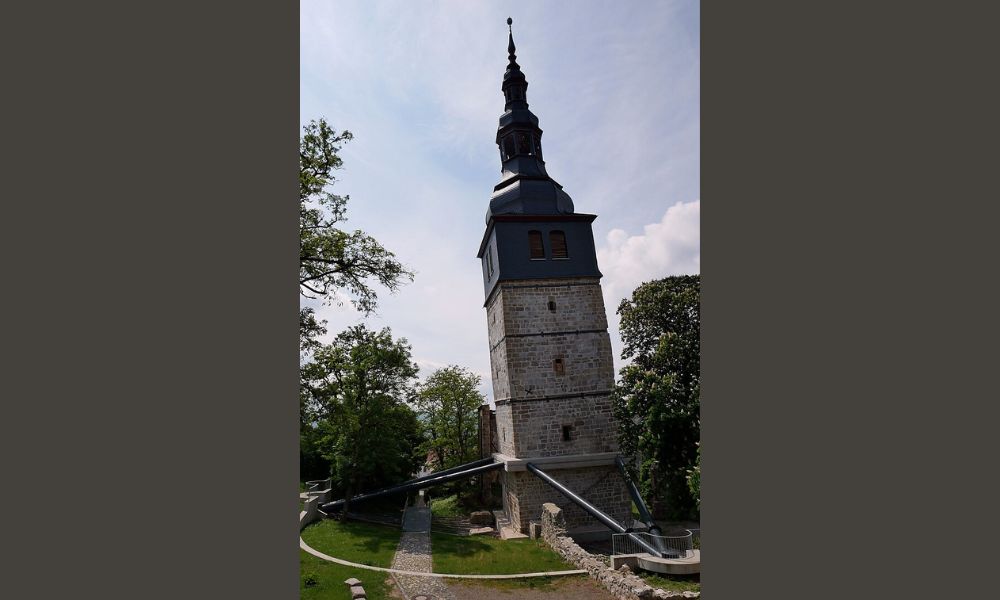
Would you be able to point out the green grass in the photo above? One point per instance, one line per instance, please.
(457, 506)
(480, 555)
(363, 543)
(672, 583)
(448, 507)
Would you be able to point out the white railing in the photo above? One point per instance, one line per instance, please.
(672, 546)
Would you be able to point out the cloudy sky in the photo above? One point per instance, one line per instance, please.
(615, 86)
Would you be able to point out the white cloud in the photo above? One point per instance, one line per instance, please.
(616, 88)
(670, 247)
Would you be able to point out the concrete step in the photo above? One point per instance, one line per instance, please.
(506, 530)
(508, 533)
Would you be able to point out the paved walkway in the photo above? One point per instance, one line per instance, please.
(414, 554)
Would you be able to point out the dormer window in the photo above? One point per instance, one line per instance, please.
(535, 245)
(557, 239)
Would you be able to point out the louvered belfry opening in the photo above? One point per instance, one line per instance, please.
(535, 244)
(557, 240)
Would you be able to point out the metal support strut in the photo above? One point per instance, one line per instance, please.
(592, 510)
(644, 513)
(459, 472)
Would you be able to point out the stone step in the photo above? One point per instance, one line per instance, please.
(461, 530)
(501, 518)
(508, 533)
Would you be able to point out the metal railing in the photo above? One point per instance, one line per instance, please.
(672, 546)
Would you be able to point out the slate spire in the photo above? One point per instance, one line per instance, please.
(510, 45)
(525, 187)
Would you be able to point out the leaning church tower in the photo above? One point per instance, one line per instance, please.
(550, 351)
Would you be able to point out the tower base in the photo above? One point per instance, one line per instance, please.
(601, 485)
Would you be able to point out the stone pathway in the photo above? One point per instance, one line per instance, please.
(414, 554)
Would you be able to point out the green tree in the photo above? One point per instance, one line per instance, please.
(331, 258)
(310, 328)
(657, 400)
(694, 479)
(354, 399)
(448, 403)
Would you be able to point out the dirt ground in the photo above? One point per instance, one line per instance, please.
(576, 588)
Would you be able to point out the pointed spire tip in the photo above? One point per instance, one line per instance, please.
(510, 41)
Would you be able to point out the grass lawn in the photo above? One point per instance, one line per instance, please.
(481, 555)
(357, 542)
(447, 507)
(671, 583)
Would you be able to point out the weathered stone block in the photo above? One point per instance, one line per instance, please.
(534, 530)
(481, 517)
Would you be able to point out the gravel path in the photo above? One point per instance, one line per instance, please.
(414, 554)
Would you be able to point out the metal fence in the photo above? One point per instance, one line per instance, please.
(672, 546)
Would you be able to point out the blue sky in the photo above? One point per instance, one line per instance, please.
(615, 86)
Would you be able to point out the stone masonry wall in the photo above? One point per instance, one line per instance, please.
(526, 377)
(575, 331)
(552, 369)
(505, 429)
(539, 430)
(523, 307)
(531, 371)
(622, 584)
(603, 487)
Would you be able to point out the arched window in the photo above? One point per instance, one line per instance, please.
(535, 245)
(557, 239)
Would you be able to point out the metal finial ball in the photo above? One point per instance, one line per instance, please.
(510, 21)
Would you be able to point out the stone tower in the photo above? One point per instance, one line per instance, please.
(550, 351)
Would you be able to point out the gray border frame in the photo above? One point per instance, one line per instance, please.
(846, 280)
(154, 430)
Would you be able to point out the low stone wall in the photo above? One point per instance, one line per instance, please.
(310, 512)
(319, 493)
(622, 584)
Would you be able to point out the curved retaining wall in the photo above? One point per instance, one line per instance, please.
(622, 584)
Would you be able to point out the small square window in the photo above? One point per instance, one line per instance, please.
(558, 366)
(567, 433)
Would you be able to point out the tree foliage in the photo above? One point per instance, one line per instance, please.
(354, 393)
(694, 479)
(448, 403)
(331, 258)
(657, 400)
(310, 328)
